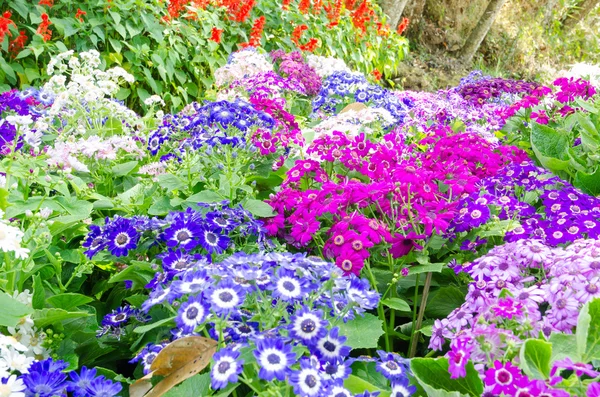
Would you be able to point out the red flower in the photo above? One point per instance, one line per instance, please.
(304, 6)
(256, 33)
(18, 43)
(285, 4)
(48, 3)
(333, 12)
(244, 11)
(377, 74)
(43, 28)
(80, 14)
(5, 23)
(175, 8)
(403, 25)
(215, 35)
(312, 43)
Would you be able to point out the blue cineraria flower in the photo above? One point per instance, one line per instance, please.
(158, 295)
(192, 282)
(274, 358)
(101, 387)
(226, 297)
(119, 317)
(367, 393)
(359, 291)
(192, 313)
(340, 369)
(307, 381)
(241, 331)
(331, 347)
(185, 231)
(226, 368)
(392, 366)
(80, 381)
(122, 237)
(45, 378)
(94, 241)
(307, 325)
(288, 287)
(213, 241)
(177, 261)
(402, 388)
(336, 389)
(147, 355)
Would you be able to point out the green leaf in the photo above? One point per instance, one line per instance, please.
(589, 183)
(590, 138)
(12, 310)
(356, 385)
(45, 317)
(66, 352)
(535, 358)
(259, 208)
(170, 182)
(205, 196)
(396, 304)
(197, 385)
(433, 375)
(443, 301)
(39, 293)
(563, 346)
(426, 268)
(124, 169)
(550, 147)
(145, 328)
(362, 332)
(588, 331)
(162, 206)
(140, 273)
(68, 300)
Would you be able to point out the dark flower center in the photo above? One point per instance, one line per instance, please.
(561, 303)
(192, 313)
(120, 317)
(273, 358)
(308, 326)
(391, 365)
(122, 238)
(311, 381)
(180, 264)
(223, 367)
(592, 288)
(504, 377)
(182, 235)
(150, 358)
(329, 346)
(211, 238)
(288, 285)
(226, 296)
(245, 329)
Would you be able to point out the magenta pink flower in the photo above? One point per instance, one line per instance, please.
(593, 390)
(508, 308)
(402, 245)
(458, 357)
(503, 378)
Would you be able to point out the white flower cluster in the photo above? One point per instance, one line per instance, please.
(11, 238)
(353, 122)
(23, 344)
(585, 71)
(325, 66)
(33, 137)
(85, 94)
(66, 155)
(242, 64)
(151, 100)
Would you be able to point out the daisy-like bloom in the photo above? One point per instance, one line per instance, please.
(274, 357)
(10, 240)
(213, 241)
(307, 381)
(593, 390)
(402, 388)
(122, 238)
(226, 297)
(226, 368)
(118, 317)
(307, 325)
(184, 233)
(45, 378)
(191, 283)
(502, 378)
(12, 386)
(81, 381)
(578, 368)
(337, 390)
(508, 308)
(331, 346)
(392, 366)
(101, 387)
(147, 356)
(192, 313)
(288, 286)
(458, 357)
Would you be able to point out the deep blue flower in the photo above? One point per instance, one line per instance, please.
(45, 379)
(226, 368)
(213, 241)
(274, 358)
(95, 241)
(392, 366)
(122, 236)
(402, 388)
(118, 317)
(288, 286)
(307, 325)
(307, 382)
(241, 331)
(192, 313)
(146, 356)
(184, 233)
(331, 347)
(101, 387)
(226, 297)
(80, 381)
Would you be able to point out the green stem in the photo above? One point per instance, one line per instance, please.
(380, 310)
(414, 319)
(417, 327)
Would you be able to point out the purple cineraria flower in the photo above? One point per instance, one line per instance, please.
(578, 368)
(274, 358)
(392, 366)
(331, 347)
(307, 381)
(192, 313)
(507, 308)
(80, 381)
(101, 387)
(213, 241)
(226, 368)
(147, 355)
(593, 390)
(119, 317)
(46, 379)
(458, 357)
(307, 326)
(226, 297)
(184, 232)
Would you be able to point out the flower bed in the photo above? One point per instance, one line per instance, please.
(305, 232)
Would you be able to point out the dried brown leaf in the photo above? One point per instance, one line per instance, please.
(356, 106)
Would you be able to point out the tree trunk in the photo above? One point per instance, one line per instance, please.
(480, 31)
(581, 11)
(393, 9)
(548, 12)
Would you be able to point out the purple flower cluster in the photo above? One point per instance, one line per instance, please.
(293, 66)
(269, 85)
(478, 89)
(213, 123)
(544, 206)
(518, 290)
(29, 102)
(211, 228)
(47, 379)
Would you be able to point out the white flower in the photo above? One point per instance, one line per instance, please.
(2, 183)
(45, 212)
(33, 138)
(154, 99)
(19, 120)
(12, 387)
(10, 240)
(15, 361)
(8, 341)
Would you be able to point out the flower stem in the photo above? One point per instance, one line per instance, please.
(417, 326)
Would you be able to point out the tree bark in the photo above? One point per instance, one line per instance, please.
(581, 11)
(393, 9)
(480, 31)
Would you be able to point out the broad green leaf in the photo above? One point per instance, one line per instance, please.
(363, 332)
(590, 138)
(140, 273)
(588, 331)
(563, 346)
(259, 208)
(197, 385)
(39, 293)
(69, 300)
(425, 268)
(443, 301)
(396, 304)
(45, 317)
(145, 328)
(66, 352)
(535, 358)
(550, 147)
(433, 375)
(170, 182)
(124, 169)
(205, 196)
(356, 385)
(12, 310)
(589, 183)
(162, 206)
